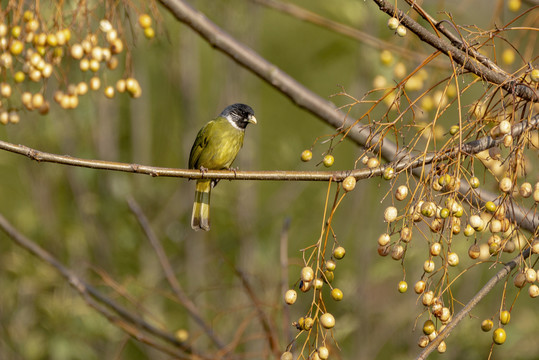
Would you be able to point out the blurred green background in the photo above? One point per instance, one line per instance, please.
(82, 217)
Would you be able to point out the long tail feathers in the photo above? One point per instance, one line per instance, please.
(201, 207)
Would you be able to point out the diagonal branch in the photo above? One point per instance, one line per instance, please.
(463, 58)
(92, 295)
(254, 62)
(500, 275)
(169, 273)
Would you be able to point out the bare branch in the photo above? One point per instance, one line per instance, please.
(500, 275)
(349, 31)
(169, 273)
(463, 58)
(299, 94)
(89, 292)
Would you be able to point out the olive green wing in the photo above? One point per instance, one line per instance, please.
(200, 144)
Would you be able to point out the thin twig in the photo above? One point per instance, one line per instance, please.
(169, 273)
(349, 31)
(87, 291)
(284, 83)
(507, 268)
(461, 57)
(270, 332)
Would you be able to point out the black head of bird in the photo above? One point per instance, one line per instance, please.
(215, 148)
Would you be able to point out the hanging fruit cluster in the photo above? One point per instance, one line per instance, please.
(36, 53)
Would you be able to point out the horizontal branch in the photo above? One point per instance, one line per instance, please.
(402, 163)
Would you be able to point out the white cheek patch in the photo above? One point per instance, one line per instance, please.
(233, 123)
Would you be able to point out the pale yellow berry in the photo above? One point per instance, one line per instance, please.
(419, 287)
(327, 321)
(290, 296)
(401, 193)
(429, 266)
(77, 52)
(120, 86)
(452, 259)
(401, 31)
(390, 214)
(109, 92)
(307, 274)
(349, 183)
(533, 291)
(393, 23)
(534, 75)
(95, 83)
(383, 239)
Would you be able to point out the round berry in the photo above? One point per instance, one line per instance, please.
(533, 291)
(331, 265)
(490, 206)
(428, 298)
(389, 172)
(531, 275)
(486, 325)
(397, 252)
(290, 296)
(393, 23)
(383, 239)
(505, 317)
(505, 184)
(306, 155)
(145, 21)
(16, 47)
(390, 214)
(442, 347)
(339, 252)
(499, 336)
(328, 160)
(428, 327)
(323, 352)
(327, 320)
(474, 251)
(520, 280)
(372, 163)
(386, 58)
(435, 249)
(403, 286)
(349, 183)
(287, 355)
(452, 259)
(419, 287)
(336, 294)
(423, 341)
(474, 182)
(329, 276)
(429, 266)
(526, 190)
(401, 193)
(534, 75)
(401, 31)
(307, 274)
(149, 33)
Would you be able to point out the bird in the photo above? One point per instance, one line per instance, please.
(215, 148)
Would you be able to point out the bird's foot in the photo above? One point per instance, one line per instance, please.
(234, 169)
